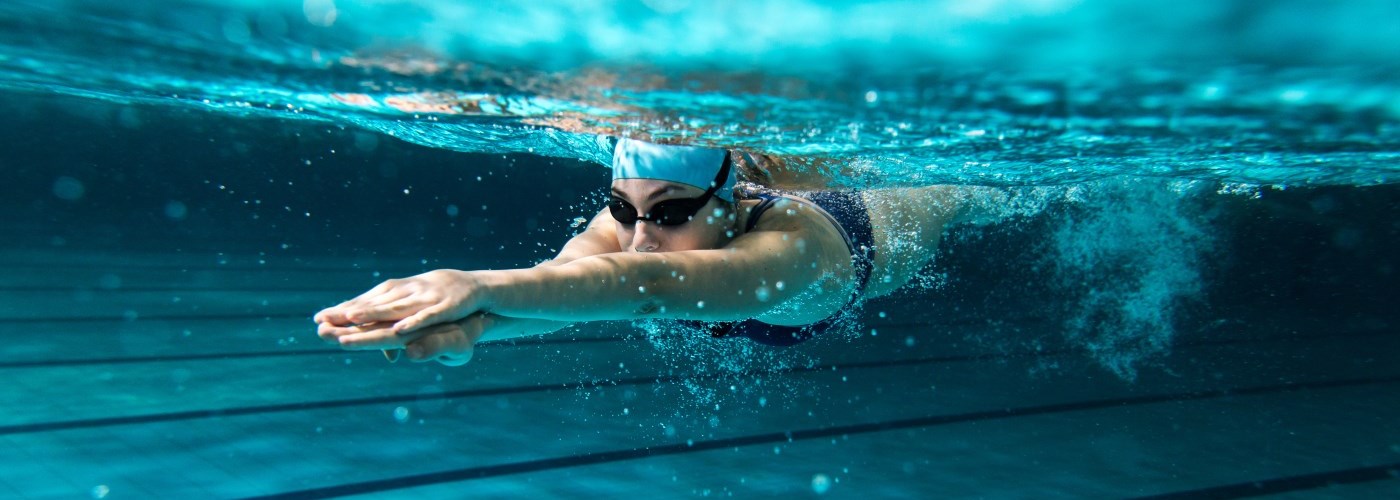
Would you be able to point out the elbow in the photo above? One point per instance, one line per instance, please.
(646, 289)
(659, 290)
(647, 308)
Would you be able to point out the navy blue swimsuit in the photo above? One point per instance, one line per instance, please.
(846, 211)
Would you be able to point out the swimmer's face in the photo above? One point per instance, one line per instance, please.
(704, 231)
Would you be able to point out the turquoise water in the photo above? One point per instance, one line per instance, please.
(1188, 288)
(1033, 92)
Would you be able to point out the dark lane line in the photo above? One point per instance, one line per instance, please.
(160, 317)
(595, 458)
(348, 289)
(466, 393)
(1285, 484)
(545, 340)
(296, 352)
(206, 267)
(586, 384)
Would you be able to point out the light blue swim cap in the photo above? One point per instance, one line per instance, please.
(690, 165)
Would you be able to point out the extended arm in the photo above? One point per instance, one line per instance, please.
(759, 274)
(598, 238)
(452, 342)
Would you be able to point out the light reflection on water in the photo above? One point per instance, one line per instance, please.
(946, 93)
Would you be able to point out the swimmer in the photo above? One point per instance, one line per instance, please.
(676, 241)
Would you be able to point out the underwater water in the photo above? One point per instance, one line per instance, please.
(1184, 283)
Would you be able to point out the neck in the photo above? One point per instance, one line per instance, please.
(739, 221)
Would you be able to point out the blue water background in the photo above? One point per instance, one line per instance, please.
(1013, 92)
(1183, 177)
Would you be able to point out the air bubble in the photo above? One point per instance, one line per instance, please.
(175, 210)
(68, 189)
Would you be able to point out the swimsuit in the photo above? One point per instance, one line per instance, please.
(846, 211)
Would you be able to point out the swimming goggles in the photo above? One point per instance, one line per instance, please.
(673, 212)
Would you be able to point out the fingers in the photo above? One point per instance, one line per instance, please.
(335, 314)
(351, 312)
(431, 315)
(392, 311)
(341, 313)
(375, 336)
(331, 334)
(392, 355)
(455, 361)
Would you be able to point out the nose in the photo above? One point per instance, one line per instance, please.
(646, 237)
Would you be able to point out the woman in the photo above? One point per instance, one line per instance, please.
(674, 242)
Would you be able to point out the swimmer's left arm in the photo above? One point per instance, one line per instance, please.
(753, 275)
(713, 285)
(737, 282)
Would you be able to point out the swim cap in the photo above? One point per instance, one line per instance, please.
(690, 165)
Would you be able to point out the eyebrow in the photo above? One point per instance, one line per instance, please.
(653, 195)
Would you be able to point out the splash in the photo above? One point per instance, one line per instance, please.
(1128, 256)
(734, 374)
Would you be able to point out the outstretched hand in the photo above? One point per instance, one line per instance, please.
(450, 343)
(401, 306)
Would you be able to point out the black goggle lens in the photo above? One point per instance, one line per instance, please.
(666, 213)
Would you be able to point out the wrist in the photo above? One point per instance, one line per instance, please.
(488, 286)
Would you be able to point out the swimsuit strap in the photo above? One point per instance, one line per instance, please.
(767, 202)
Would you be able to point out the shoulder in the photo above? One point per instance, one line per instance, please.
(796, 239)
(782, 213)
(795, 216)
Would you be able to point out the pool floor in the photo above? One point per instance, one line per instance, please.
(180, 376)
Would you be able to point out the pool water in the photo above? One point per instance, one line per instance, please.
(1188, 293)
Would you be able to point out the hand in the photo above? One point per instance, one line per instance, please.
(451, 343)
(408, 304)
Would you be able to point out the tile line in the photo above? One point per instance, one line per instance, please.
(595, 458)
(156, 317)
(205, 267)
(494, 391)
(1285, 484)
(270, 354)
(349, 289)
(447, 395)
(552, 341)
